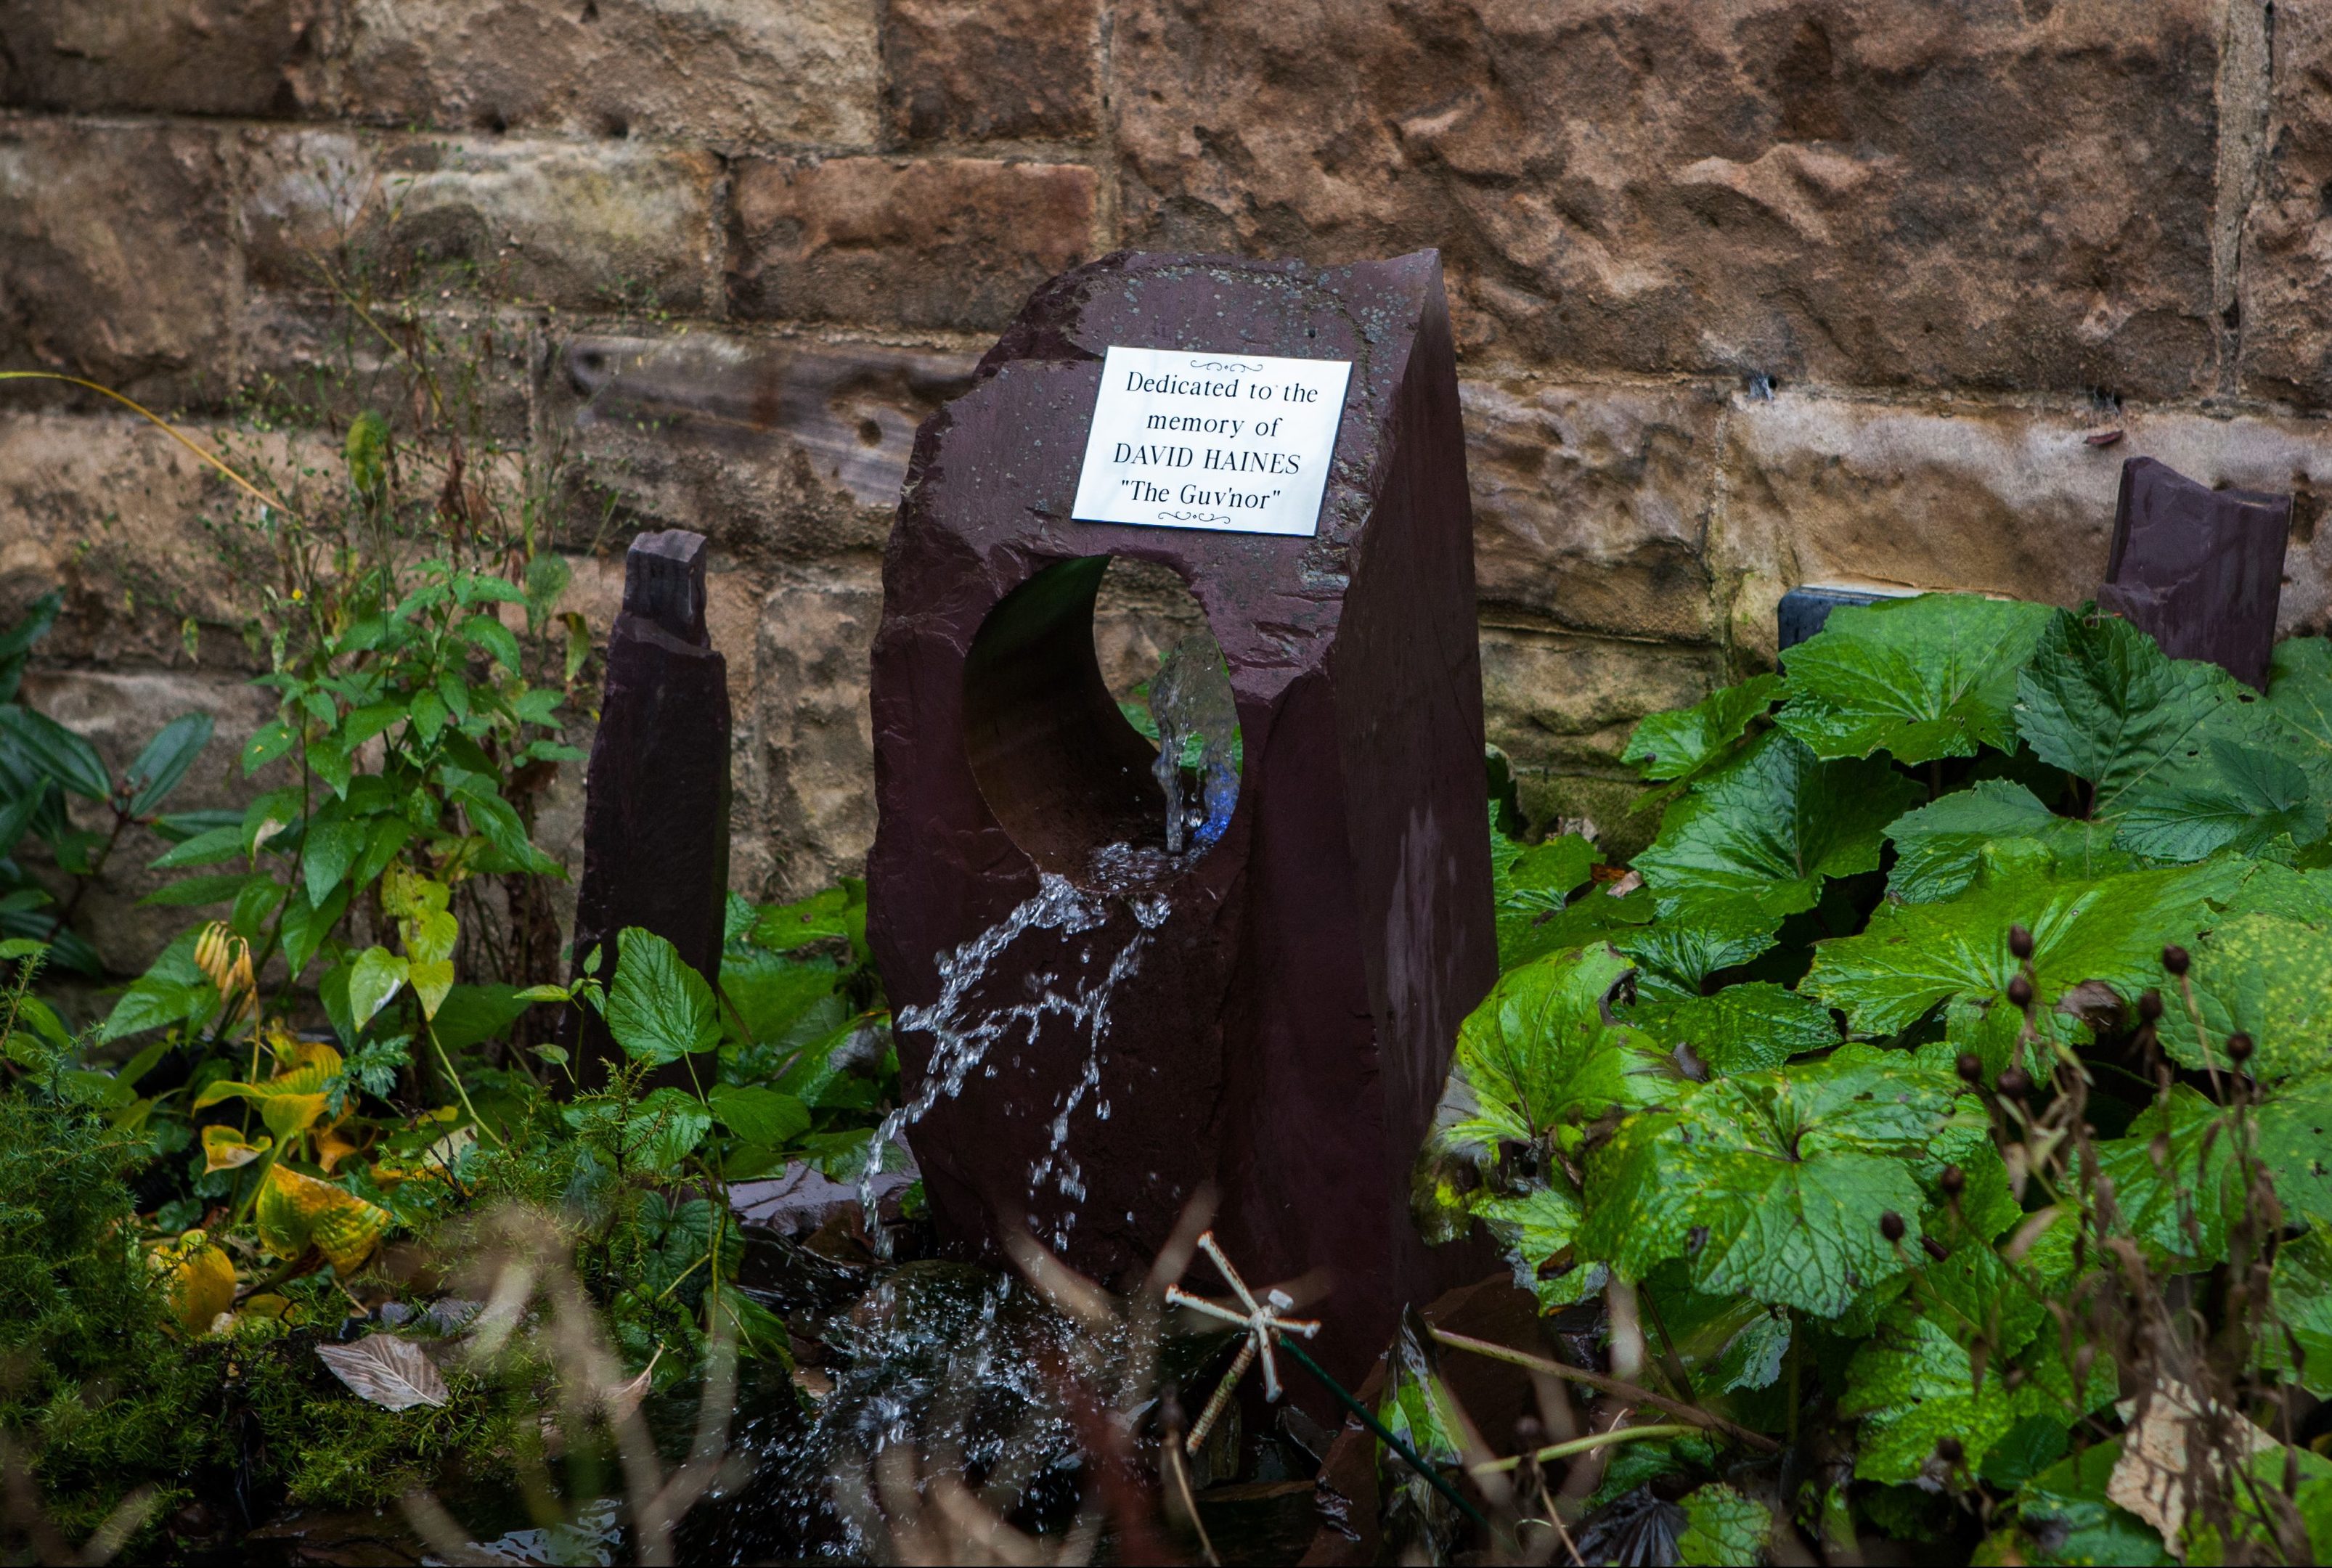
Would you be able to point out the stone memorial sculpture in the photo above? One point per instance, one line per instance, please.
(1099, 1017)
(2200, 570)
(655, 818)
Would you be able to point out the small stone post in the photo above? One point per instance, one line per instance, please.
(656, 819)
(2200, 570)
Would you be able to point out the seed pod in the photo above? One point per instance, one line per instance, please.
(1950, 1450)
(1890, 1226)
(1529, 1436)
(2238, 1048)
(1935, 1249)
(1954, 1181)
(2014, 1082)
(2149, 1006)
(2020, 991)
(1971, 1067)
(2176, 959)
(2020, 942)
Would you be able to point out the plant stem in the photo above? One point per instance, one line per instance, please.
(429, 1028)
(1383, 1433)
(1609, 1385)
(1564, 1451)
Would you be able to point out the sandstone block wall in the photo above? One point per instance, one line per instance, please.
(1749, 292)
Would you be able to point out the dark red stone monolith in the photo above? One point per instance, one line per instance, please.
(1286, 1026)
(2200, 570)
(655, 815)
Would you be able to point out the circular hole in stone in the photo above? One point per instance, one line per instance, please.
(1071, 684)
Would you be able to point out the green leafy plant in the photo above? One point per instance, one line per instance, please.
(1949, 1102)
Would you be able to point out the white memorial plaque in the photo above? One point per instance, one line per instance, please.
(1237, 442)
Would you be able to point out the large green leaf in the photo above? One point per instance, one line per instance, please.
(57, 751)
(659, 1009)
(1940, 848)
(1679, 954)
(1530, 886)
(2109, 929)
(1680, 746)
(2177, 1199)
(165, 761)
(2292, 1137)
(2177, 759)
(759, 1116)
(1767, 832)
(1914, 1383)
(2270, 979)
(2062, 1516)
(2300, 697)
(1746, 1027)
(2302, 1286)
(1721, 1528)
(173, 989)
(1773, 1184)
(1924, 677)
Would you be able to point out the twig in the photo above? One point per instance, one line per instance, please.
(168, 429)
(1625, 1390)
(1564, 1451)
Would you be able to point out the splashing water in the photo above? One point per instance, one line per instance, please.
(1192, 702)
(963, 1033)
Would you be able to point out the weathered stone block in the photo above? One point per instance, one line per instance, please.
(812, 740)
(1590, 503)
(2287, 255)
(1855, 191)
(587, 226)
(334, 367)
(106, 508)
(1555, 702)
(953, 242)
(973, 69)
(115, 260)
(2004, 501)
(176, 56)
(781, 447)
(728, 71)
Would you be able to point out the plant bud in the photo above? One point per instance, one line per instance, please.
(1935, 1249)
(1971, 1067)
(2174, 959)
(2020, 991)
(1950, 1450)
(1529, 1436)
(2014, 1082)
(1890, 1226)
(2149, 1006)
(2238, 1048)
(2020, 942)
(1954, 1181)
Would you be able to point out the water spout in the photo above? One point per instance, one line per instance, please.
(1191, 700)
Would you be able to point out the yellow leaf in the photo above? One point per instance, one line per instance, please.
(333, 1145)
(431, 983)
(408, 894)
(200, 1283)
(295, 1212)
(224, 1148)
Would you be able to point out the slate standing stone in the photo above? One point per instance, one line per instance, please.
(655, 816)
(2200, 570)
(1287, 1035)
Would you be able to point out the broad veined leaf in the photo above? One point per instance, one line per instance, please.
(226, 1148)
(206, 848)
(2267, 977)
(759, 1116)
(1529, 884)
(1940, 848)
(839, 912)
(391, 1373)
(2063, 1515)
(1929, 676)
(2292, 1137)
(2299, 701)
(307, 924)
(1744, 1027)
(57, 751)
(2108, 929)
(1721, 1528)
(2178, 761)
(470, 1014)
(1914, 1383)
(1679, 954)
(1771, 1184)
(1726, 1343)
(331, 848)
(173, 990)
(1680, 746)
(198, 1279)
(2281, 890)
(374, 980)
(659, 1009)
(293, 1101)
(1535, 1227)
(165, 761)
(769, 993)
(666, 1128)
(2176, 1208)
(1764, 835)
(295, 1212)
(2302, 1286)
